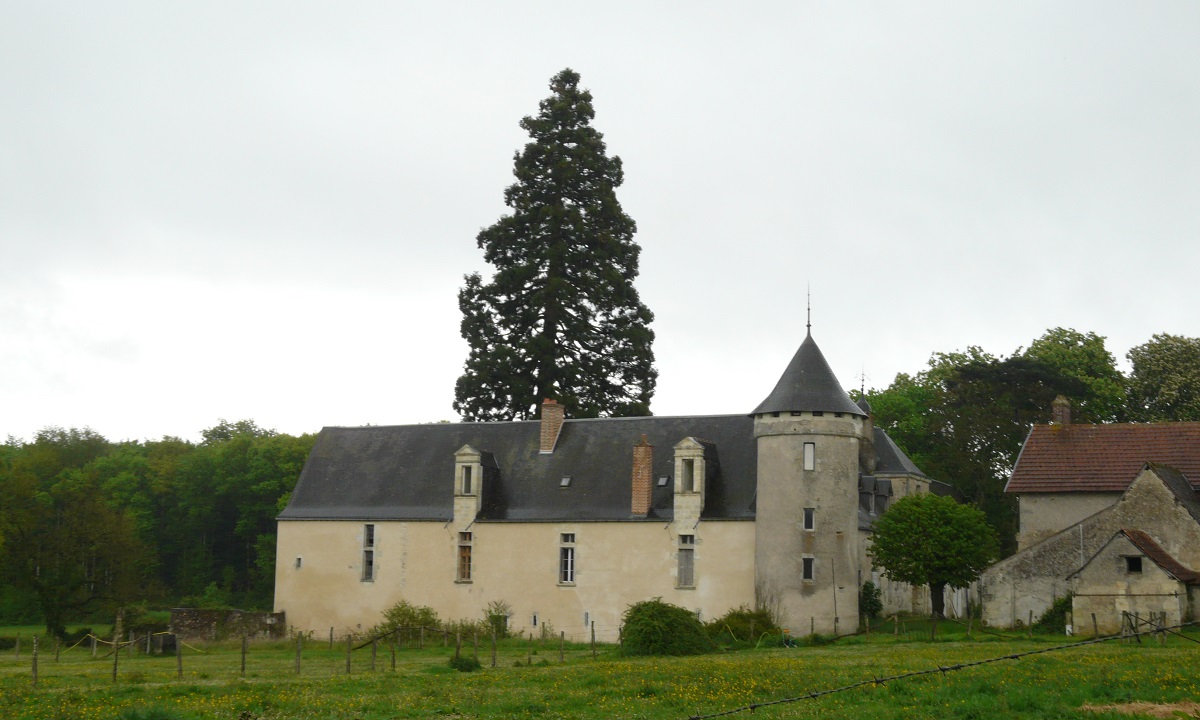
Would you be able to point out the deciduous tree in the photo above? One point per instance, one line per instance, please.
(933, 540)
(560, 318)
(1165, 382)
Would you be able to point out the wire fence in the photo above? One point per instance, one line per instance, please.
(1131, 629)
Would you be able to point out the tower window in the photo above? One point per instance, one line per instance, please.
(810, 456)
(810, 518)
(807, 569)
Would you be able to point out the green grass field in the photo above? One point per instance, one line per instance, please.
(1051, 685)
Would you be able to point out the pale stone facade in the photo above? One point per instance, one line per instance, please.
(571, 521)
(1123, 578)
(1044, 514)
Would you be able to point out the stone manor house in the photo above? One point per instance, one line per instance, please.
(569, 521)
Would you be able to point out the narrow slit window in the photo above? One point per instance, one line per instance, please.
(464, 557)
(368, 536)
(368, 566)
(807, 568)
(467, 480)
(686, 571)
(810, 456)
(689, 476)
(566, 559)
(810, 518)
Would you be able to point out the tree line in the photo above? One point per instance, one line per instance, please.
(964, 417)
(88, 525)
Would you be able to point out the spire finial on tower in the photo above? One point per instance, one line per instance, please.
(808, 325)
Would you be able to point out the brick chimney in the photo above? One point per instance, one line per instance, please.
(643, 477)
(552, 422)
(1060, 411)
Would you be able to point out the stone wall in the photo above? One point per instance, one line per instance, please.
(220, 624)
(1028, 582)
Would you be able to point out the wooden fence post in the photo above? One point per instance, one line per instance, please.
(148, 635)
(330, 638)
(475, 645)
(1095, 627)
(562, 641)
(178, 657)
(56, 648)
(374, 651)
(18, 646)
(529, 649)
(93, 637)
(392, 647)
(35, 653)
(349, 649)
(593, 639)
(1030, 627)
(129, 648)
(896, 625)
(243, 656)
(493, 646)
(421, 646)
(299, 639)
(457, 643)
(116, 641)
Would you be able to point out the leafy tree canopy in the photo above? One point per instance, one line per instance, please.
(1084, 357)
(933, 540)
(1165, 382)
(560, 317)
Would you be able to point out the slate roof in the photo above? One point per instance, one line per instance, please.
(407, 472)
(1102, 458)
(890, 459)
(808, 384)
(1146, 544)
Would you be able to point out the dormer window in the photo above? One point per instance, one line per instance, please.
(689, 476)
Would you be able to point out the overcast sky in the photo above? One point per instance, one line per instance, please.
(265, 210)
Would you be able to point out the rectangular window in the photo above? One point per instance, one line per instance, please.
(368, 536)
(688, 483)
(467, 480)
(464, 557)
(368, 566)
(1133, 564)
(810, 518)
(810, 456)
(566, 559)
(806, 568)
(299, 562)
(686, 576)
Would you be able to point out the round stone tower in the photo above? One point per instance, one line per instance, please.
(806, 535)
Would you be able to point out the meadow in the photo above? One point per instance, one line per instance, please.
(529, 680)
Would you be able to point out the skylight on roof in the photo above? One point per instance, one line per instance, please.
(662, 481)
(565, 482)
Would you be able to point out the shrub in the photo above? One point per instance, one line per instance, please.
(741, 624)
(870, 600)
(1054, 620)
(408, 618)
(496, 617)
(464, 663)
(653, 627)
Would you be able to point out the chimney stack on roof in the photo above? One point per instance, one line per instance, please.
(552, 422)
(1060, 411)
(643, 477)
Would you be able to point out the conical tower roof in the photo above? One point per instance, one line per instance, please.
(808, 384)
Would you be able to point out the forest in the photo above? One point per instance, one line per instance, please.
(88, 524)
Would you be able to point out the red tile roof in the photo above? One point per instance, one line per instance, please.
(1102, 458)
(1146, 544)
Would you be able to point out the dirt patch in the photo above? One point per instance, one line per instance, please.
(1188, 708)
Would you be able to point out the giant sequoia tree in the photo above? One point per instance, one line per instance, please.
(560, 317)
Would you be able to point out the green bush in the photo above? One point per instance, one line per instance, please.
(407, 618)
(654, 627)
(741, 625)
(463, 663)
(1054, 620)
(870, 601)
(496, 617)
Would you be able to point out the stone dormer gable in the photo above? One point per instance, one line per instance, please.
(808, 385)
(1060, 458)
